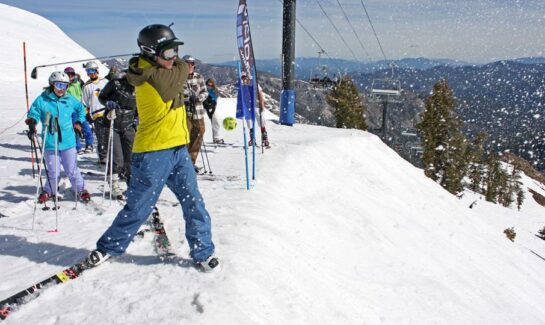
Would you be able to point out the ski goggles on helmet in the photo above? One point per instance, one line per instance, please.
(169, 54)
(60, 85)
(91, 71)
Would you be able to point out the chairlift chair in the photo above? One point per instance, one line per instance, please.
(409, 133)
(321, 79)
(387, 89)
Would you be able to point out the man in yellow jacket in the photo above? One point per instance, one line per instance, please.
(160, 155)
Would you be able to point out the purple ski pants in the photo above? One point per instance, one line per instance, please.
(67, 158)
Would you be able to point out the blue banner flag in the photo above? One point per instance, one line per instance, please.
(245, 101)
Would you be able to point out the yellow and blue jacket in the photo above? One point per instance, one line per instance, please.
(160, 104)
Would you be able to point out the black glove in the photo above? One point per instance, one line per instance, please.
(31, 128)
(193, 99)
(89, 118)
(110, 105)
(77, 128)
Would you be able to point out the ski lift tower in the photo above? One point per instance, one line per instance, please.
(287, 97)
(386, 90)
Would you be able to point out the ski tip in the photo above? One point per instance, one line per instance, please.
(4, 311)
(53, 230)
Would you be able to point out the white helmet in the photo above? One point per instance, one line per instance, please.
(91, 65)
(58, 76)
(188, 58)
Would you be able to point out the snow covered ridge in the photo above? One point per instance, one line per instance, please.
(46, 43)
(338, 229)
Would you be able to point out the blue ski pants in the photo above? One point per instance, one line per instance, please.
(87, 134)
(151, 171)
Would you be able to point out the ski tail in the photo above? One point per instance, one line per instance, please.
(162, 243)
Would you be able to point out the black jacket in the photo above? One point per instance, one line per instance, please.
(121, 92)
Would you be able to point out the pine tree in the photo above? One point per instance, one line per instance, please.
(492, 178)
(475, 159)
(516, 187)
(349, 109)
(445, 148)
(505, 194)
(520, 198)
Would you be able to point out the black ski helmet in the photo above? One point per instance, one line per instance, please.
(154, 38)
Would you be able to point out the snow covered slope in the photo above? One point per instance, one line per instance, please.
(337, 230)
(45, 44)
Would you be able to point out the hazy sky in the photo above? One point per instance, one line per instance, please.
(469, 30)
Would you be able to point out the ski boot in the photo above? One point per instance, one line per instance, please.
(265, 138)
(84, 196)
(218, 141)
(44, 197)
(96, 258)
(212, 264)
(117, 192)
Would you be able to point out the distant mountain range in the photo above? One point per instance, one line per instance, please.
(307, 67)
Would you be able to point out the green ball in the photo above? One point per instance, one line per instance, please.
(229, 123)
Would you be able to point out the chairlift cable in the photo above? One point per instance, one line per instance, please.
(374, 31)
(314, 40)
(338, 32)
(378, 40)
(354, 30)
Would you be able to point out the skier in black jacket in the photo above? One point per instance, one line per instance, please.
(118, 96)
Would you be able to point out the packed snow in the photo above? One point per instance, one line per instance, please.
(336, 229)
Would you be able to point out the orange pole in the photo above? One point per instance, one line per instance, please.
(28, 105)
(26, 80)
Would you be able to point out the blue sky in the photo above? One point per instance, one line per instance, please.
(469, 30)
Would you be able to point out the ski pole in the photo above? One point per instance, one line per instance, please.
(108, 158)
(111, 157)
(261, 126)
(207, 160)
(34, 73)
(32, 150)
(57, 172)
(203, 162)
(35, 144)
(106, 167)
(38, 146)
(45, 126)
(75, 183)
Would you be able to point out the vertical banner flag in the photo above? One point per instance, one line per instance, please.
(246, 94)
(245, 101)
(244, 39)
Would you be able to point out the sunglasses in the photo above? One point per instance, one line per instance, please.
(60, 85)
(169, 54)
(91, 71)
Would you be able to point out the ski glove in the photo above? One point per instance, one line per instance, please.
(111, 106)
(111, 115)
(89, 118)
(31, 128)
(193, 99)
(77, 129)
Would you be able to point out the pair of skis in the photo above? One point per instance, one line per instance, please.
(162, 247)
